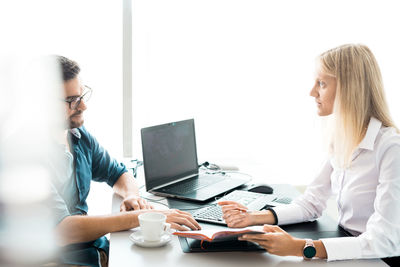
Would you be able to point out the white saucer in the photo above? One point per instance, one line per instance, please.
(138, 240)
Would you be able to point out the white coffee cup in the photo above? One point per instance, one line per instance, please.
(153, 226)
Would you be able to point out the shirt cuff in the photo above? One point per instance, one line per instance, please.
(342, 248)
(288, 214)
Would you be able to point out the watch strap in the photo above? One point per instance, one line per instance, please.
(306, 250)
(274, 214)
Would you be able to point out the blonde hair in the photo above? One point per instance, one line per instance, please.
(359, 96)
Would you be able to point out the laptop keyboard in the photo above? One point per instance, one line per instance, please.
(254, 201)
(192, 185)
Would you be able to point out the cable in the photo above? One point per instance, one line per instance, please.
(155, 200)
(209, 205)
(134, 164)
(158, 201)
(210, 166)
(229, 172)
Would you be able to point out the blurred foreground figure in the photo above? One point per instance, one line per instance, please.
(28, 121)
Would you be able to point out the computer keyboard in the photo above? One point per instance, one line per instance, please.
(253, 201)
(283, 200)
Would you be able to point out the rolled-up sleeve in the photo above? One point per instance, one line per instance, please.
(104, 167)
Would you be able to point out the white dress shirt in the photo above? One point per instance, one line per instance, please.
(368, 198)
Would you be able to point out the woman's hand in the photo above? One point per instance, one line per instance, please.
(277, 241)
(180, 220)
(235, 214)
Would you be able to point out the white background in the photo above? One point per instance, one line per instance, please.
(242, 69)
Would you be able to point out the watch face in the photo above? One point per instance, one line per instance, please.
(309, 252)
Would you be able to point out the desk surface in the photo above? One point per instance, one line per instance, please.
(124, 253)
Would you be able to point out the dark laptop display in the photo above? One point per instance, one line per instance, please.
(169, 151)
(171, 166)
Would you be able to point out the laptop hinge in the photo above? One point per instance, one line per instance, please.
(175, 181)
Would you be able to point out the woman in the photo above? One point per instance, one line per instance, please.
(363, 169)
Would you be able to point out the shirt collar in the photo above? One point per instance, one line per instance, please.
(75, 132)
(372, 132)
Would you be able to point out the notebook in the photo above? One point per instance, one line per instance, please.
(171, 168)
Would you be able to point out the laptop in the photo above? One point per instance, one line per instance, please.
(171, 168)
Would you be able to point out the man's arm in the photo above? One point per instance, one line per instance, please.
(80, 228)
(127, 187)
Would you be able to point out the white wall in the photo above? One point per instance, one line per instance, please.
(88, 31)
(244, 69)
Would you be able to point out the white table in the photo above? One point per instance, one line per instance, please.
(124, 253)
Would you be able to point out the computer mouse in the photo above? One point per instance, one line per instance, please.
(261, 188)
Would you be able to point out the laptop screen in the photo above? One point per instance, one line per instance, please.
(169, 152)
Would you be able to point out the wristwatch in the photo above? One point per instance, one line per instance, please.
(309, 250)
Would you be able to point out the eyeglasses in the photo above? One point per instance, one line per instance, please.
(75, 101)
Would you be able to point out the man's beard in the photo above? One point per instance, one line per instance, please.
(74, 124)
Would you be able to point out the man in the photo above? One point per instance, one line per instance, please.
(82, 236)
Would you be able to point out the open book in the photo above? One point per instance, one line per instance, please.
(213, 235)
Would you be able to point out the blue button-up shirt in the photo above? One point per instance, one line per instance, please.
(91, 162)
(71, 184)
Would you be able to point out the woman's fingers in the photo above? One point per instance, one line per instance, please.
(233, 216)
(266, 245)
(257, 237)
(263, 243)
(227, 208)
(236, 223)
(272, 228)
(238, 220)
(226, 203)
(232, 213)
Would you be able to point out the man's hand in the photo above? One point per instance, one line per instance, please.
(134, 203)
(181, 220)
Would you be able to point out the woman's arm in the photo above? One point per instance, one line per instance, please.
(312, 203)
(236, 215)
(307, 207)
(382, 234)
(277, 241)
